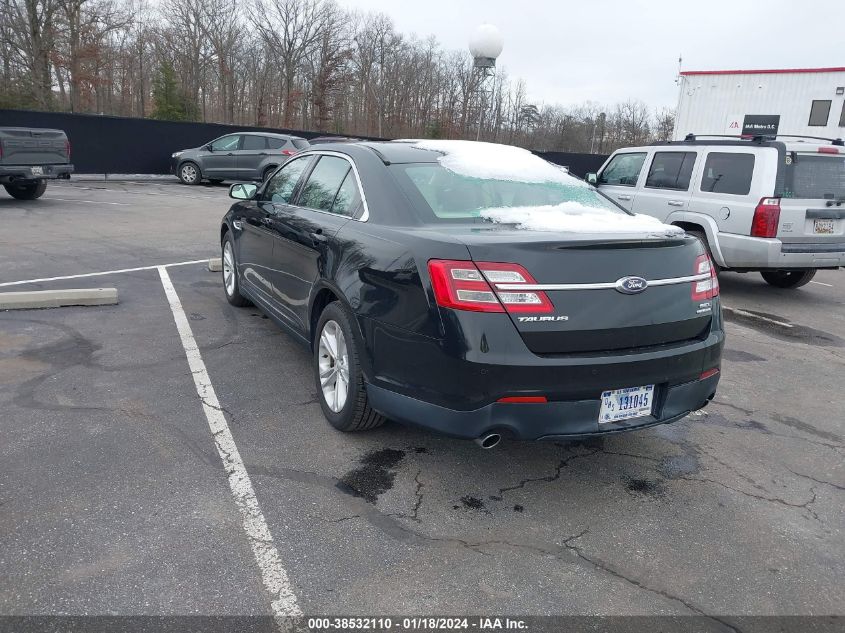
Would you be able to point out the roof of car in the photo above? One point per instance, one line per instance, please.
(390, 152)
(273, 134)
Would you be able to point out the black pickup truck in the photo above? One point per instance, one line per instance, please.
(31, 156)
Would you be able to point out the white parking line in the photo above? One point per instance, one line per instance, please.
(819, 283)
(105, 272)
(283, 600)
(119, 204)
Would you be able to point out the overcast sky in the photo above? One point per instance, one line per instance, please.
(609, 50)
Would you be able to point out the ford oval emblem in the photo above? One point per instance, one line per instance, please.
(631, 285)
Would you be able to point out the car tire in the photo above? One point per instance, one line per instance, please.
(788, 278)
(29, 191)
(267, 173)
(337, 367)
(703, 237)
(189, 173)
(231, 283)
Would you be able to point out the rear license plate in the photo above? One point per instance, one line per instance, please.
(823, 227)
(624, 404)
(37, 171)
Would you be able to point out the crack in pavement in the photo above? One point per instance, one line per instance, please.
(777, 500)
(548, 478)
(818, 481)
(565, 551)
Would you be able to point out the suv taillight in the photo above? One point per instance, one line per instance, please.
(766, 218)
(67, 150)
(706, 288)
(288, 152)
(466, 285)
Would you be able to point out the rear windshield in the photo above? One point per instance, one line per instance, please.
(442, 195)
(814, 176)
(300, 143)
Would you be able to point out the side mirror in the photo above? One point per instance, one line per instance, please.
(592, 178)
(209, 148)
(243, 191)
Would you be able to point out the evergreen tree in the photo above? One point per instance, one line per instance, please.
(170, 102)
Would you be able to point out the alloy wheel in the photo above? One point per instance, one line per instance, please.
(228, 268)
(189, 173)
(333, 366)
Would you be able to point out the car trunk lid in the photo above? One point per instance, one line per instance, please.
(592, 310)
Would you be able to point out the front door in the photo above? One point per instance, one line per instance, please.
(218, 163)
(275, 197)
(305, 232)
(619, 179)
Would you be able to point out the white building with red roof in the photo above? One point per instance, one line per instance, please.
(801, 101)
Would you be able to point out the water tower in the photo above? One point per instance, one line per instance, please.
(485, 45)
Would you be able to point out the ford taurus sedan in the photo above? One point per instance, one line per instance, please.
(476, 290)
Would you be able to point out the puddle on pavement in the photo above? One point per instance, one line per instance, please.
(738, 356)
(375, 476)
(772, 324)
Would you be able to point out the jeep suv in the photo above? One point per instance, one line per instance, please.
(770, 204)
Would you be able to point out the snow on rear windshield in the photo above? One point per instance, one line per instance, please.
(510, 185)
(572, 217)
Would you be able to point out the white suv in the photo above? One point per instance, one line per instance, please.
(774, 206)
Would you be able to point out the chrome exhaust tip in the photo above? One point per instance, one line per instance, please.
(488, 441)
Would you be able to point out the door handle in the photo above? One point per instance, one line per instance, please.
(676, 203)
(624, 197)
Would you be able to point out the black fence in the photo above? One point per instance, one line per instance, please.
(119, 145)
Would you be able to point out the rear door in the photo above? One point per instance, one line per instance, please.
(252, 152)
(667, 184)
(220, 162)
(812, 208)
(620, 176)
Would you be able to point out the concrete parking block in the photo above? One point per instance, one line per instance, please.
(58, 298)
(215, 265)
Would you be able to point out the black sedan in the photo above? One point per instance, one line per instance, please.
(476, 290)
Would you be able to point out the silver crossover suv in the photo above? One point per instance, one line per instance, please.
(238, 156)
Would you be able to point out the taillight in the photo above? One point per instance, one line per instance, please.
(828, 150)
(766, 218)
(466, 285)
(67, 149)
(705, 288)
(513, 298)
(288, 152)
(707, 374)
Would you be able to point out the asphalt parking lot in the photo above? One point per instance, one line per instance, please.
(114, 498)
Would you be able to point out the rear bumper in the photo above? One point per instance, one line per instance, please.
(552, 420)
(743, 251)
(454, 389)
(12, 173)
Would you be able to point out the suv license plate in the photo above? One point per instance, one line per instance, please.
(37, 171)
(623, 404)
(823, 227)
